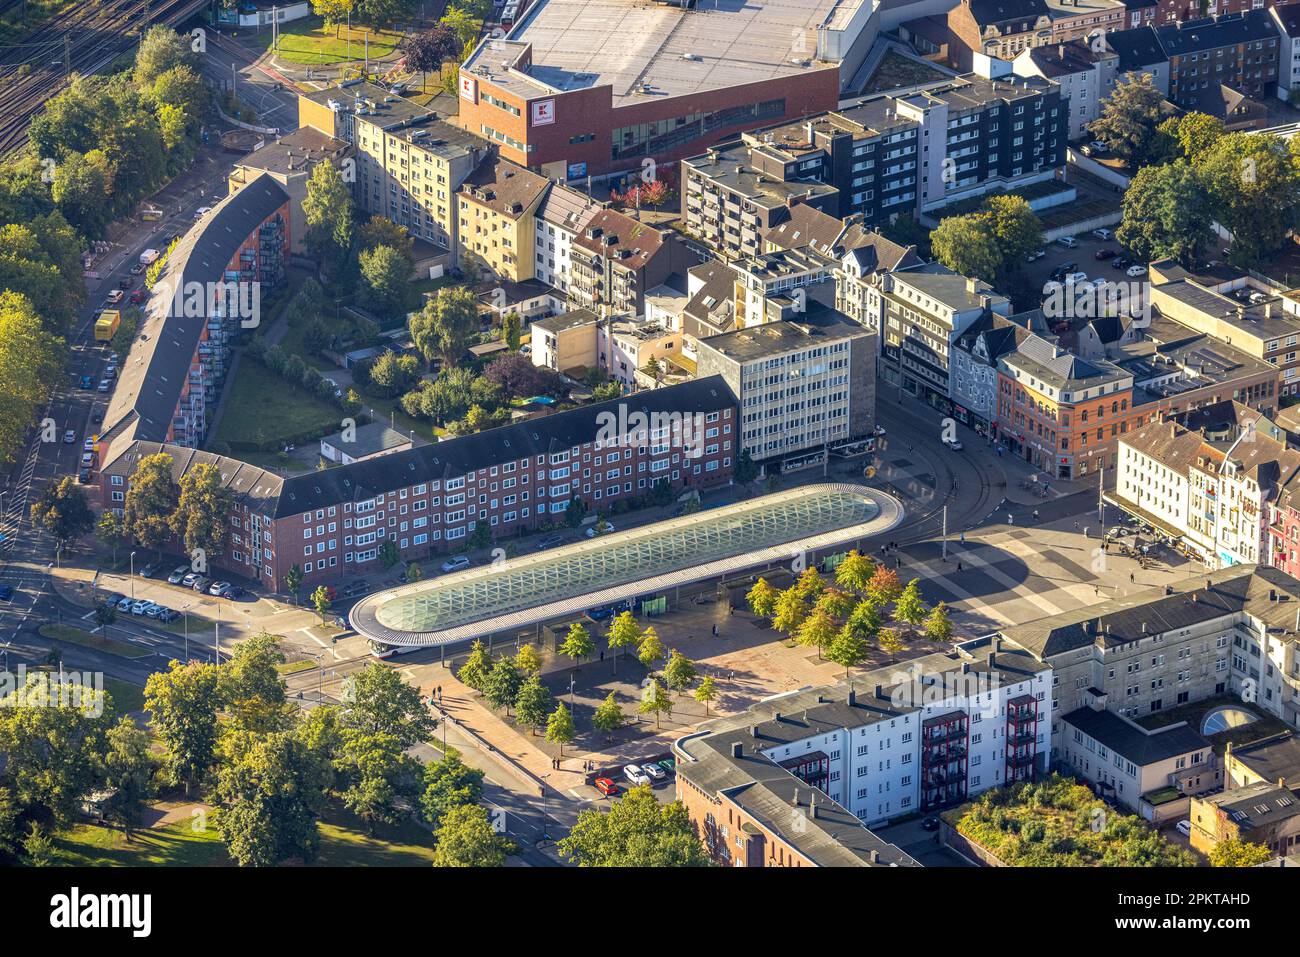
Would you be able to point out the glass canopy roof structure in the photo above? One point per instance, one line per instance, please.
(592, 573)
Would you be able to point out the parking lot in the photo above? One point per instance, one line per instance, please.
(1084, 257)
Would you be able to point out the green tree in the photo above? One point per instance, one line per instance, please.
(533, 703)
(111, 531)
(474, 672)
(385, 280)
(791, 610)
(269, 796)
(656, 701)
(293, 581)
(377, 776)
(854, 573)
(388, 554)
(1129, 120)
(202, 516)
(968, 245)
(637, 831)
(889, 641)
(528, 661)
(623, 631)
(449, 784)
(444, 328)
(161, 49)
(608, 716)
(63, 511)
(183, 703)
(809, 585)
(1254, 189)
(334, 12)
(379, 699)
(680, 672)
(836, 603)
(150, 501)
(705, 692)
(1017, 231)
(1233, 852)
(848, 649)
(503, 684)
(910, 607)
(1195, 133)
(252, 689)
(762, 599)
(651, 650)
(464, 25)
(466, 839)
(938, 626)
(327, 214)
(52, 741)
(1168, 214)
(818, 630)
(321, 601)
(559, 727)
(577, 643)
(746, 468)
(30, 362)
(413, 573)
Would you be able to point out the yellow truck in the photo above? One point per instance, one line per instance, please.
(106, 325)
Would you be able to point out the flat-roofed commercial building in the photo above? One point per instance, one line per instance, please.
(591, 87)
(802, 382)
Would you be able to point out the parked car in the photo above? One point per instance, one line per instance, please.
(137, 297)
(6, 592)
(1119, 262)
(114, 297)
(126, 283)
(216, 587)
(232, 591)
(189, 579)
(605, 786)
(153, 610)
(86, 382)
(600, 528)
(634, 774)
(151, 569)
(1101, 254)
(138, 607)
(550, 541)
(1136, 270)
(137, 268)
(104, 385)
(88, 445)
(111, 599)
(1184, 828)
(202, 211)
(168, 614)
(87, 459)
(669, 766)
(654, 771)
(83, 476)
(930, 824)
(1069, 242)
(201, 584)
(178, 574)
(878, 430)
(455, 564)
(97, 417)
(1257, 297)
(69, 437)
(1063, 270)
(125, 603)
(953, 444)
(1104, 234)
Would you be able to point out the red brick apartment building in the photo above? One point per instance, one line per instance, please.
(589, 88)
(425, 500)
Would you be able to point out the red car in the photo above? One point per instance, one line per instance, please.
(1101, 254)
(605, 786)
(137, 297)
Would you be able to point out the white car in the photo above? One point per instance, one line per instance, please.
(654, 771)
(88, 445)
(1069, 242)
(202, 211)
(953, 444)
(1103, 234)
(189, 580)
(69, 437)
(139, 607)
(1184, 828)
(634, 774)
(1076, 278)
(1136, 271)
(455, 564)
(600, 528)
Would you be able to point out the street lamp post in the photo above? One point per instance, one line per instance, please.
(133, 576)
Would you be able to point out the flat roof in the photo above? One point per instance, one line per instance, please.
(528, 590)
(627, 44)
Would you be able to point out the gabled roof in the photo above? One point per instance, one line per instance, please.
(988, 12)
(1256, 805)
(1207, 33)
(1137, 48)
(628, 243)
(503, 187)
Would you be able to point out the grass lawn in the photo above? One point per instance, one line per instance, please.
(309, 41)
(126, 697)
(79, 636)
(344, 843)
(294, 667)
(264, 408)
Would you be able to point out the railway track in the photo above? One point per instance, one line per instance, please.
(83, 40)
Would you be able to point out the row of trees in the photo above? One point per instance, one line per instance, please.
(1191, 173)
(157, 507)
(845, 620)
(990, 243)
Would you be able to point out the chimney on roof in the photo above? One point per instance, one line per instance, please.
(1060, 51)
(753, 731)
(880, 691)
(1169, 590)
(971, 284)
(965, 667)
(875, 856)
(853, 697)
(1272, 594)
(776, 715)
(812, 805)
(794, 798)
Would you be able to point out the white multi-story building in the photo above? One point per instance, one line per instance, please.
(1210, 477)
(562, 215)
(1287, 20)
(922, 735)
(1085, 73)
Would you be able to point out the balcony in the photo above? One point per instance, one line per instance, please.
(1020, 759)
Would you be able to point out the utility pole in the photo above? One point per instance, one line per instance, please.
(1101, 502)
(945, 533)
(67, 53)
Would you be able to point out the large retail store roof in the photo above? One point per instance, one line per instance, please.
(524, 591)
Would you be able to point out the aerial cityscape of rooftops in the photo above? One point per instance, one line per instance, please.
(650, 433)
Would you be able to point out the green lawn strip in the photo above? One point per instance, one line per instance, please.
(294, 667)
(308, 41)
(264, 408)
(79, 636)
(345, 842)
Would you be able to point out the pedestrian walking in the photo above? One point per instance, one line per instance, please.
(962, 538)
(1035, 515)
(1131, 578)
(715, 631)
(602, 656)
(1076, 526)
(959, 566)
